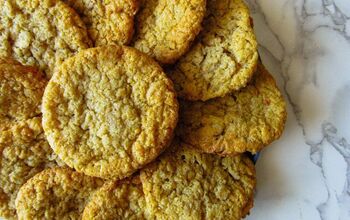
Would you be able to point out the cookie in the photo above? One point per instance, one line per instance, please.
(165, 28)
(57, 193)
(21, 91)
(107, 21)
(187, 184)
(40, 33)
(24, 152)
(108, 111)
(117, 200)
(246, 120)
(223, 59)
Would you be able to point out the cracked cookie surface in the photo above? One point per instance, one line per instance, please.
(246, 120)
(107, 21)
(40, 33)
(122, 199)
(186, 184)
(24, 152)
(224, 56)
(108, 111)
(21, 91)
(57, 193)
(165, 28)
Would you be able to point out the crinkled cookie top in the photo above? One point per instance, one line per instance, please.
(165, 28)
(108, 111)
(40, 33)
(224, 57)
(107, 21)
(246, 120)
(57, 193)
(186, 184)
(122, 199)
(24, 152)
(21, 91)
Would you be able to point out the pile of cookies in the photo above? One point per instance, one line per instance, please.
(131, 109)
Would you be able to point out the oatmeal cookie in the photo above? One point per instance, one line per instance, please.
(223, 59)
(246, 120)
(21, 90)
(108, 111)
(186, 184)
(165, 28)
(107, 21)
(42, 33)
(24, 152)
(58, 193)
(117, 200)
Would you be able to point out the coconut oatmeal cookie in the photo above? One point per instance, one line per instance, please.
(24, 152)
(246, 120)
(186, 184)
(21, 91)
(57, 193)
(224, 57)
(165, 28)
(40, 33)
(107, 21)
(108, 111)
(122, 199)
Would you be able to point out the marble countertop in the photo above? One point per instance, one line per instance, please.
(306, 45)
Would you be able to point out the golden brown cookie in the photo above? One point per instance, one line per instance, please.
(24, 152)
(186, 184)
(223, 59)
(165, 28)
(117, 200)
(107, 21)
(21, 90)
(42, 33)
(108, 111)
(246, 120)
(58, 193)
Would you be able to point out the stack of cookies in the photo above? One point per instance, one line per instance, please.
(131, 109)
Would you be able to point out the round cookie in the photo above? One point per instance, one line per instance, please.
(24, 152)
(42, 33)
(108, 111)
(166, 28)
(117, 200)
(107, 21)
(185, 183)
(57, 193)
(21, 91)
(223, 59)
(246, 120)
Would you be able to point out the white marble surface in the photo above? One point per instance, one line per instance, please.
(306, 45)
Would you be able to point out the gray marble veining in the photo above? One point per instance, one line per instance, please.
(306, 45)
